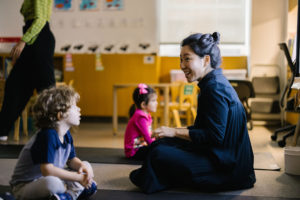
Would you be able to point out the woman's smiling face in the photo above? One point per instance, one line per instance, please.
(191, 64)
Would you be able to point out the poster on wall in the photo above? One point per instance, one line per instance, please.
(113, 5)
(99, 66)
(69, 67)
(89, 5)
(62, 5)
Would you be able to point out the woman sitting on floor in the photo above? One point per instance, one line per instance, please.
(213, 154)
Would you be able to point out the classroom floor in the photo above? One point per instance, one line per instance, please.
(270, 184)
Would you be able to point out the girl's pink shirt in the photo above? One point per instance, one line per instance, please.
(139, 125)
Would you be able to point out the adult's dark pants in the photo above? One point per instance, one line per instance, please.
(33, 70)
(172, 162)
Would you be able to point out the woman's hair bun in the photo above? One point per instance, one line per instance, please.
(216, 37)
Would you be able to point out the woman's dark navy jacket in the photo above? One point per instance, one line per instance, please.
(220, 127)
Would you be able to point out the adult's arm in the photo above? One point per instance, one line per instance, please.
(164, 131)
(216, 107)
(41, 12)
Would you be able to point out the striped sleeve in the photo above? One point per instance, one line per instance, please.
(40, 18)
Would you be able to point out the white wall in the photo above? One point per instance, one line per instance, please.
(11, 21)
(133, 25)
(269, 27)
(137, 24)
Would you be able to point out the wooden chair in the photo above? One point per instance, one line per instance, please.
(185, 106)
(24, 116)
(24, 124)
(174, 95)
(182, 104)
(71, 82)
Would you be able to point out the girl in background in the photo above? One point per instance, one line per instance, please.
(138, 132)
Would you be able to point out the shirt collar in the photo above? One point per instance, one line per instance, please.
(209, 76)
(141, 112)
(67, 137)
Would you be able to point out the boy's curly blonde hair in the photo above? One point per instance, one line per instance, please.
(50, 102)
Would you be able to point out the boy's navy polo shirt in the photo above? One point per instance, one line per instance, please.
(49, 149)
(43, 147)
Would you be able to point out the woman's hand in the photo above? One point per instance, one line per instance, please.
(16, 51)
(165, 132)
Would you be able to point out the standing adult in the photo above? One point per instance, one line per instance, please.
(213, 154)
(32, 60)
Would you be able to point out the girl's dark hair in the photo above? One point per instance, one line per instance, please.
(138, 98)
(205, 44)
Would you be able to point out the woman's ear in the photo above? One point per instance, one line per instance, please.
(206, 60)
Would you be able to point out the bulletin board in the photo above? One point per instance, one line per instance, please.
(94, 26)
(106, 26)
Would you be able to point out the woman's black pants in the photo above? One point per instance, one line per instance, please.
(33, 70)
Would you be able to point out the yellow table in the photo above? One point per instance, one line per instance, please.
(165, 88)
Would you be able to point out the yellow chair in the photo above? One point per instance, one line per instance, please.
(158, 111)
(185, 106)
(182, 104)
(71, 82)
(174, 93)
(24, 115)
(24, 123)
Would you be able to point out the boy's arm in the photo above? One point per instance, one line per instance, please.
(75, 163)
(48, 169)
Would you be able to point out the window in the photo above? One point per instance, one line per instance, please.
(180, 18)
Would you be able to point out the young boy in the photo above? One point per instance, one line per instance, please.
(40, 171)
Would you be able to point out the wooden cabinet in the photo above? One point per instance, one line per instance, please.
(58, 60)
(95, 86)
(59, 63)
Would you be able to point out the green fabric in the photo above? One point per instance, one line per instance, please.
(40, 12)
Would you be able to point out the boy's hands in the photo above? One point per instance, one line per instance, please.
(86, 181)
(88, 176)
(86, 170)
